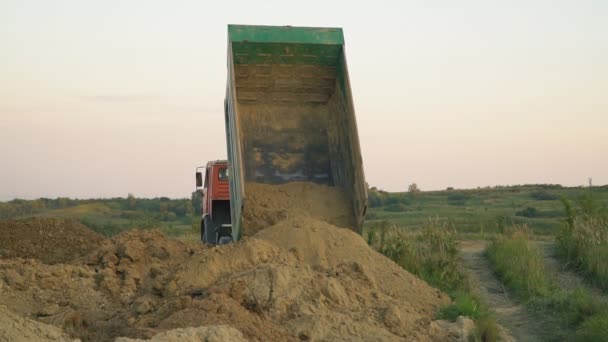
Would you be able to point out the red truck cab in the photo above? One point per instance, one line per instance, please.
(215, 208)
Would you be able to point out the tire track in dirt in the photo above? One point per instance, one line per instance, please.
(512, 316)
(566, 278)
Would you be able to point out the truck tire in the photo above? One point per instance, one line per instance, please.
(202, 230)
(209, 232)
(224, 240)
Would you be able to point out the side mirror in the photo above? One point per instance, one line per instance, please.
(199, 179)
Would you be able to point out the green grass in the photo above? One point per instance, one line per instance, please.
(464, 304)
(520, 263)
(480, 211)
(174, 217)
(432, 254)
(594, 329)
(567, 315)
(583, 239)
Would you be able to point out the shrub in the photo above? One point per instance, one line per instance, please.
(486, 330)
(413, 188)
(464, 305)
(371, 215)
(542, 195)
(529, 212)
(593, 329)
(458, 198)
(572, 307)
(398, 207)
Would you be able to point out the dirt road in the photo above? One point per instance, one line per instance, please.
(511, 315)
(566, 278)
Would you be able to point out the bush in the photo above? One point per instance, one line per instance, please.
(542, 195)
(486, 330)
(529, 212)
(572, 308)
(593, 329)
(458, 198)
(372, 215)
(397, 208)
(464, 305)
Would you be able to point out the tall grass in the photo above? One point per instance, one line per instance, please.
(593, 330)
(583, 239)
(572, 315)
(519, 262)
(432, 254)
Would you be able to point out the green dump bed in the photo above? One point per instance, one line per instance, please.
(289, 113)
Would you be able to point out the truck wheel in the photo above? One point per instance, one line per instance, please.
(224, 240)
(203, 230)
(209, 233)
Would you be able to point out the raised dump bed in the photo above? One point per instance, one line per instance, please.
(289, 114)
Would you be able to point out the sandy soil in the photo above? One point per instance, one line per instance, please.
(267, 205)
(299, 278)
(46, 239)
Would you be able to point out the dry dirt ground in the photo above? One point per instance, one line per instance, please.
(299, 278)
(49, 240)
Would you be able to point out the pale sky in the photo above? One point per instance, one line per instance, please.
(106, 98)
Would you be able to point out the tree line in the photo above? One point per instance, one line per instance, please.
(166, 208)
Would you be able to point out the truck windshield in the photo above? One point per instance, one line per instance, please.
(223, 174)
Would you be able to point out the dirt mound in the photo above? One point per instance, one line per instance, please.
(459, 330)
(94, 297)
(325, 247)
(314, 281)
(138, 261)
(63, 295)
(267, 205)
(299, 278)
(14, 328)
(47, 239)
(213, 333)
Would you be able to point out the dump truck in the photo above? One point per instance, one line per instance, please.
(289, 114)
(215, 204)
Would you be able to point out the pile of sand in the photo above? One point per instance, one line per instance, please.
(313, 281)
(15, 328)
(138, 261)
(267, 205)
(212, 333)
(301, 278)
(47, 239)
(92, 297)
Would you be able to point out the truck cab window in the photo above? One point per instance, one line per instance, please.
(223, 174)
